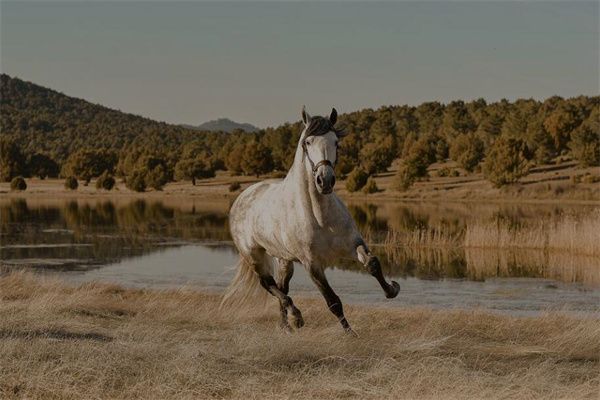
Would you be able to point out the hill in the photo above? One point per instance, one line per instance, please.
(224, 125)
(503, 139)
(41, 119)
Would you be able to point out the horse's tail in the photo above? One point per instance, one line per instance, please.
(245, 287)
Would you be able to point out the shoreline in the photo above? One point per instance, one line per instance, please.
(52, 189)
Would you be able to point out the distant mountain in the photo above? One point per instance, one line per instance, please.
(224, 125)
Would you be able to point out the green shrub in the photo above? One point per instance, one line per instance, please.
(454, 173)
(157, 177)
(585, 145)
(506, 161)
(467, 150)
(443, 172)
(71, 183)
(370, 186)
(405, 177)
(18, 183)
(357, 179)
(234, 186)
(105, 181)
(136, 181)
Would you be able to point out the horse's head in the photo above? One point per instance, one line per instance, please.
(319, 142)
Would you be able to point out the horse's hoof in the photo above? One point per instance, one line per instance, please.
(297, 319)
(286, 328)
(393, 290)
(350, 332)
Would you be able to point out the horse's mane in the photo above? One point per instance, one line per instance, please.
(319, 126)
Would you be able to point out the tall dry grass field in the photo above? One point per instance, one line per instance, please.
(103, 341)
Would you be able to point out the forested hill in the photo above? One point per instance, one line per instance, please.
(45, 132)
(41, 119)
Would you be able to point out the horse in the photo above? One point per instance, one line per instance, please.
(275, 223)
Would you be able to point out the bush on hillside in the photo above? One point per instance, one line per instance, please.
(370, 186)
(136, 181)
(506, 161)
(357, 179)
(18, 184)
(71, 183)
(105, 181)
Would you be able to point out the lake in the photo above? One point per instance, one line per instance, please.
(432, 249)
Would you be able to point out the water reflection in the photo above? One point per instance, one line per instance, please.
(80, 235)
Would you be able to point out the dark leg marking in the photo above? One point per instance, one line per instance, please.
(333, 301)
(372, 265)
(268, 282)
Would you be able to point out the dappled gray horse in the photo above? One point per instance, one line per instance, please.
(299, 218)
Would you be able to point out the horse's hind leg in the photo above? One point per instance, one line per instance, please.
(333, 301)
(285, 271)
(371, 263)
(268, 282)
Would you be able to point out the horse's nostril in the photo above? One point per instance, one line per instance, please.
(319, 181)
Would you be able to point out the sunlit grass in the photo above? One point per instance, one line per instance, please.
(105, 341)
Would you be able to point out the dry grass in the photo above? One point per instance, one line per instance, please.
(566, 234)
(574, 235)
(104, 341)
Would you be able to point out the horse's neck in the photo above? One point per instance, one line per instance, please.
(299, 181)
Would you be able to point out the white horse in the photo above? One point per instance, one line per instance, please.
(299, 219)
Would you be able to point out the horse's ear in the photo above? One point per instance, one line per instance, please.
(305, 116)
(333, 116)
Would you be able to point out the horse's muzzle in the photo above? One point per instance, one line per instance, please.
(325, 181)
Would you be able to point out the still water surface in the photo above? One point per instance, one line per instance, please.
(187, 242)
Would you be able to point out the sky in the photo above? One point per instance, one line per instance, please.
(259, 62)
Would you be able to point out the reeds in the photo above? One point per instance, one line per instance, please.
(565, 248)
(575, 235)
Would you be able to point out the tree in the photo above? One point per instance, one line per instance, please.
(467, 150)
(370, 186)
(136, 181)
(585, 141)
(560, 123)
(414, 165)
(199, 167)
(18, 184)
(71, 183)
(457, 120)
(256, 159)
(233, 162)
(42, 166)
(12, 161)
(506, 161)
(357, 179)
(105, 181)
(378, 156)
(156, 177)
(86, 164)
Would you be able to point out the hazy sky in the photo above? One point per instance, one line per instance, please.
(258, 62)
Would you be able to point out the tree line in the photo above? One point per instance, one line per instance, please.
(48, 134)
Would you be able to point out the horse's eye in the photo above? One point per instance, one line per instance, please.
(307, 143)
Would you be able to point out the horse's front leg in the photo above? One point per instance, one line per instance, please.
(371, 264)
(285, 272)
(333, 301)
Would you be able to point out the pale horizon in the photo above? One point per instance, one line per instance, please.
(258, 63)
